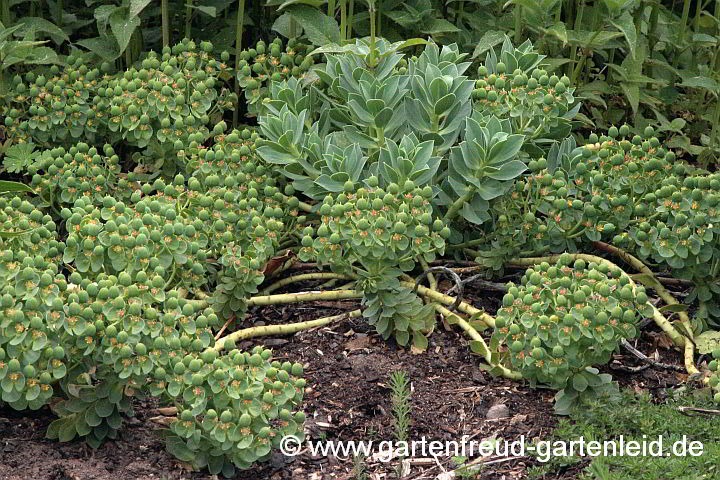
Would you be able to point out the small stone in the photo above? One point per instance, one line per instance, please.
(499, 410)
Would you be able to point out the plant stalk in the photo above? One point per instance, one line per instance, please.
(238, 48)
(188, 18)
(165, 15)
(458, 204)
(304, 277)
(303, 297)
(285, 329)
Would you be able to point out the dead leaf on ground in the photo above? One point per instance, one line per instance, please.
(359, 342)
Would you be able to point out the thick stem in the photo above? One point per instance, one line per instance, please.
(5, 13)
(683, 26)
(188, 18)
(474, 335)
(431, 278)
(371, 11)
(458, 204)
(379, 17)
(165, 15)
(303, 277)
(303, 297)
(238, 48)
(578, 26)
(448, 300)
(58, 12)
(662, 292)
(343, 19)
(350, 19)
(466, 327)
(285, 329)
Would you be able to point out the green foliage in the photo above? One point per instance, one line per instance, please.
(639, 417)
(163, 107)
(482, 168)
(80, 172)
(378, 234)
(19, 47)
(99, 341)
(235, 408)
(23, 227)
(580, 194)
(263, 64)
(400, 402)
(539, 105)
(564, 319)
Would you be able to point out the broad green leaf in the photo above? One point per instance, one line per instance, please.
(14, 187)
(137, 6)
(479, 348)
(673, 308)
(506, 149)
(207, 10)
(616, 5)
(286, 3)
(282, 24)
(702, 82)
(319, 28)
(101, 46)
(102, 16)
(579, 382)
(18, 157)
(123, 25)
(645, 279)
(439, 25)
(558, 31)
(632, 92)
(39, 24)
(489, 39)
(626, 25)
(420, 341)
(592, 40)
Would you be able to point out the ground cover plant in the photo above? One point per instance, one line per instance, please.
(138, 228)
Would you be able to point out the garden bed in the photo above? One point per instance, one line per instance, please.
(347, 367)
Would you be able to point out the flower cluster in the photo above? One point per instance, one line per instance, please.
(564, 318)
(263, 64)
(165, 105)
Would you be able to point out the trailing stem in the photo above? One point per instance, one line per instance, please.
(475, 336)
(650, 282)
(448, 300)
(303, 297)
(285, 329)
(304, 277)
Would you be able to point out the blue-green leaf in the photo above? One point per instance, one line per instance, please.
(508, 171)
